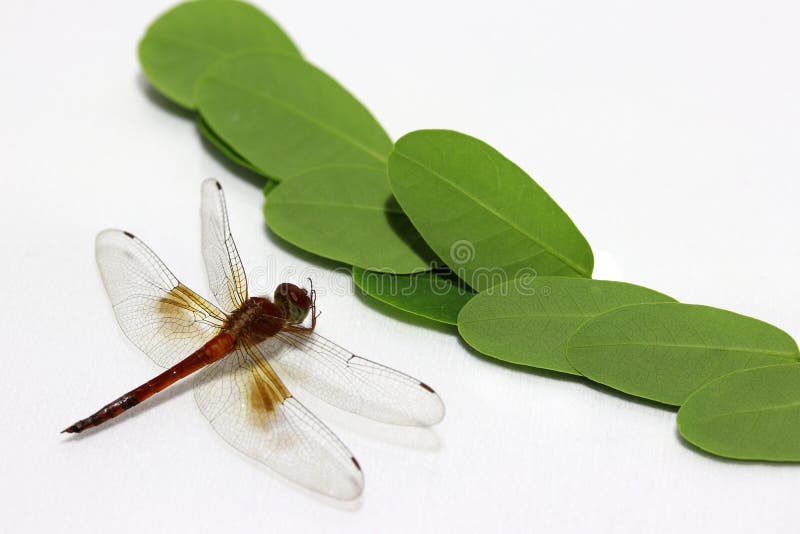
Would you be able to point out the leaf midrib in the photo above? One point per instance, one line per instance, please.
(546, 247)
(336, 205)
(323, 126)
(189, 44)
(535, 316)
(789, 355)
(776, 407)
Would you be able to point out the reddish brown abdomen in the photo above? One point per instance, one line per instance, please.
(217, 348)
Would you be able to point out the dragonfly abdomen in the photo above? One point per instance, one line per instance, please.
(215, 349)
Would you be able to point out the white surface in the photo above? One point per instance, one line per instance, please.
(669, 132)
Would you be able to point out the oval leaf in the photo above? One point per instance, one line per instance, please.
(664, 352)
(484, 217)
(183, 42)
(347, 214)
(428, 294)
(528, 321)
(286, 117)
(753, 414)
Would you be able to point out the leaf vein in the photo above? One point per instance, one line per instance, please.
(330, 129)
(545, 246)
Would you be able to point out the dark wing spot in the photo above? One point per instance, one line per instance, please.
(218, 185)
(423, 385)
(355, 462)
(128, 234)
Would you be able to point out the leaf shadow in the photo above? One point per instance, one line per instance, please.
(566, 377)
(544, 373)
(405, 230)
(232, 167)
(602, 388)
(308, 257)
(161, 101)
(402, 315)
(333, 265)
(167, 105)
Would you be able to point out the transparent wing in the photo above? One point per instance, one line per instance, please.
(223, 265)
(161, 316)
(352, 383)
(251, 409)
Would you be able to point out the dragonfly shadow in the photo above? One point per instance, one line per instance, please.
(345, 506)
(178, 390)
(165, 396)
(407, 437)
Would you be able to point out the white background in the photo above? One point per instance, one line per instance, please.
(669, 131)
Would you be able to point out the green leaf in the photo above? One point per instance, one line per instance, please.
(753, 414)
(664, 352)
(484, 217)
(224, 147)
(528, 321)
(426, 294)
(347, 214)
(183, 42)
(286, 117)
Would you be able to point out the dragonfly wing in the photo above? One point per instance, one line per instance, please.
(226, 274)
(251, 409)
(351, 382)
(161, 316)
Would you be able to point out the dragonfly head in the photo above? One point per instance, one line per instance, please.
(294, 302)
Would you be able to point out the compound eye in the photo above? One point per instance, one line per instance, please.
(299, 296)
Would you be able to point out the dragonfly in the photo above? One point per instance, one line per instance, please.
(232, 351)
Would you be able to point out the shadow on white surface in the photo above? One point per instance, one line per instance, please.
(161, 101)
(406, 437)
(347, 506)
(421, 439)
(731, 461)
(151, 404)
(164, 104)
(565, 377)
(332, 265)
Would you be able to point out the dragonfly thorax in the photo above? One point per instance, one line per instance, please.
(256, 320)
